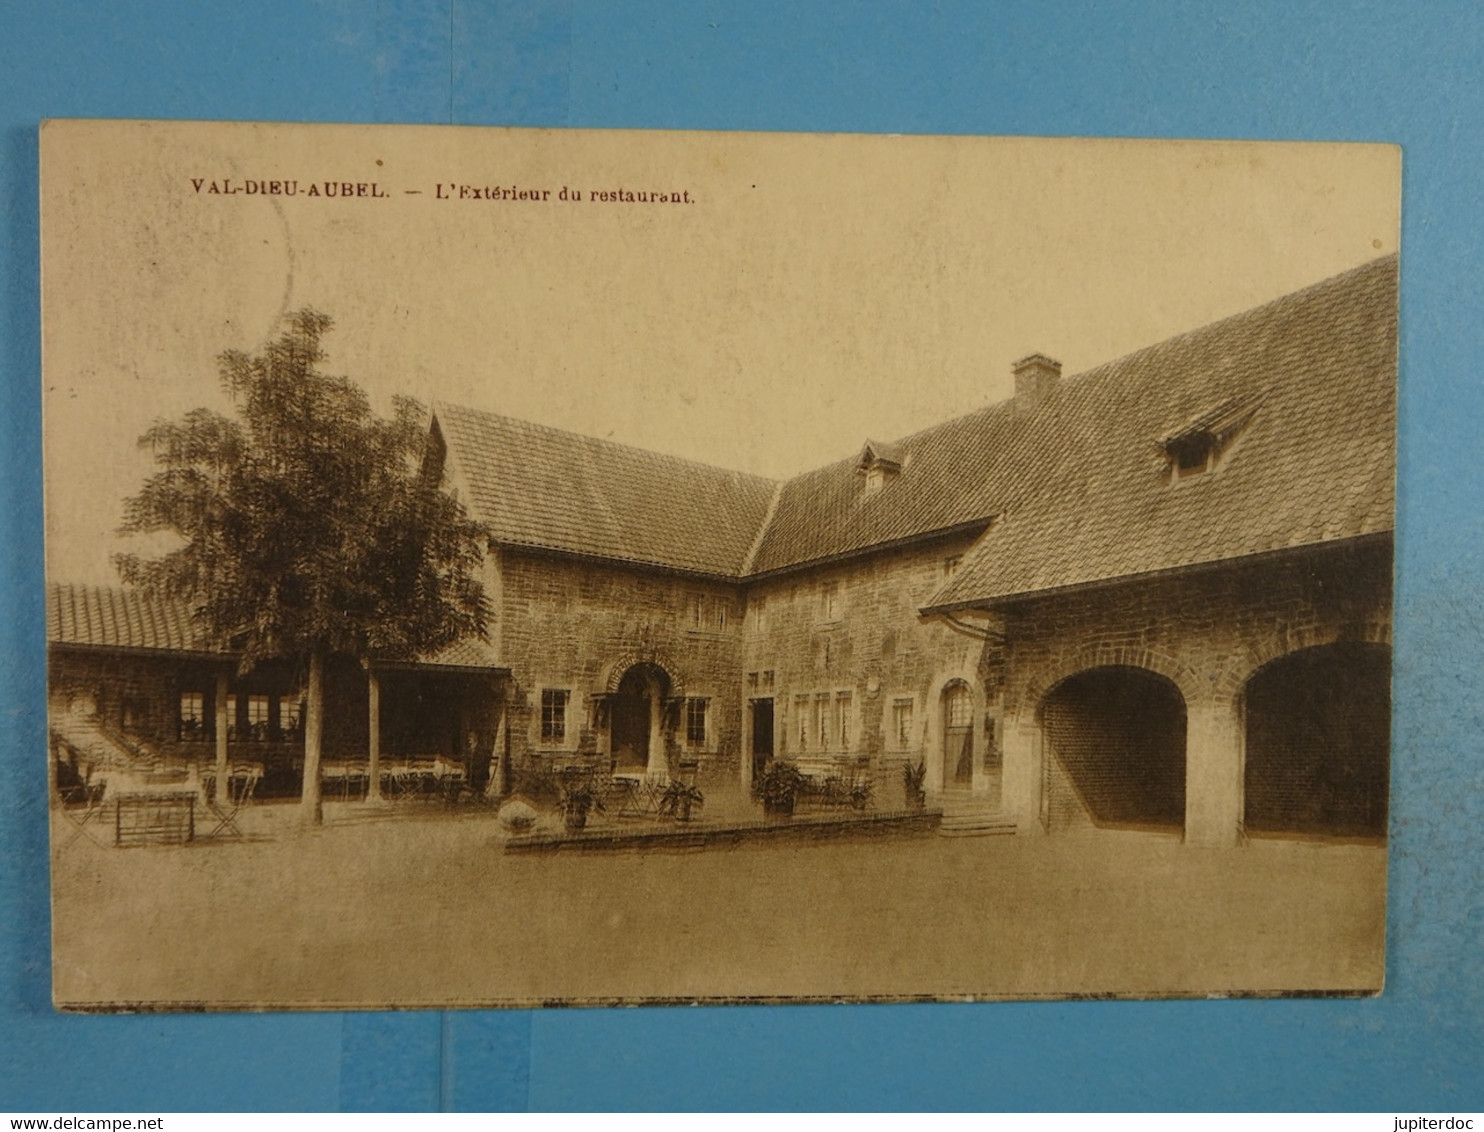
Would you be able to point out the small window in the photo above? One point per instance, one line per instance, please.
(951, 564)
(822, 720)
(290, 716)
(759, 607)
(843, 701)
(877, 463)
(234, 732)
(1192, 458)
(829, 603)
(707, 613)
(960, 706)
(134, 714)
(695, 722)
(901, 723)
(801, 712)
(257, 718)
(1202, 443)
(554, 714)
(192, 724)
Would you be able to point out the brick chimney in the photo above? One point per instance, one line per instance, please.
(1035, 376)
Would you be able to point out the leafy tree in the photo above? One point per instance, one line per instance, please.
(306, 525)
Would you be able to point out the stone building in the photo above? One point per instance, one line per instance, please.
(1154, 595)
(1191, 570)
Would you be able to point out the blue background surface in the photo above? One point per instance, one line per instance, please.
(1321, 71)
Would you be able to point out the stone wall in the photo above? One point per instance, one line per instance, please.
(575, 625)
(1208, 632)
(853, 629)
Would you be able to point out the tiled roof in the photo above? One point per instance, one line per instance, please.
(105, 617)
(951, 475)
(1084, 486)
(470, 652)
(541, 487)
(1075, 489)
(114, 617)
(1076, 482)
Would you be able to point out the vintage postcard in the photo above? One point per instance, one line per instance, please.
(495, 567)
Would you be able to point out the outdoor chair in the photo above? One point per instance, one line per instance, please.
(623, 796)
(242, 784)
(88, 795)
(450, 778)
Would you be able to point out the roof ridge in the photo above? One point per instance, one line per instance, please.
(762, 531)
(1005, 404)
(1291, 298)
(649, 453)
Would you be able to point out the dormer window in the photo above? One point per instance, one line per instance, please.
(1201, 445)
(878, 463)
(1191, 458)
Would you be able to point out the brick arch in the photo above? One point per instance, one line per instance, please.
(1068, 665)
(941, 681)
(1374, 631)
(612, 673)
(956, 675)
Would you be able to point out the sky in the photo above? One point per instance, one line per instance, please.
(804, 293)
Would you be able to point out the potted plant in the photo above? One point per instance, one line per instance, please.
(912, 780)
(678, 798)
(578, 799)
(779, 787)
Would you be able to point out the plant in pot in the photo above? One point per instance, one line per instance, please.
(678, 798)
(912, 780)
(578, 799)
(778, 787)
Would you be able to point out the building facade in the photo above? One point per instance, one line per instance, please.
(1154, 595)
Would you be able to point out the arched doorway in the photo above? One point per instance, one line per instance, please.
(636, 738)
(1115, 740)
(956, 710)
(1318, 742)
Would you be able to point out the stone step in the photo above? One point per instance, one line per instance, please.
(972, 817)
(987, 828)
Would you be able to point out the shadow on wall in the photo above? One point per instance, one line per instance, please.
(1318, 742)
(1116, 736)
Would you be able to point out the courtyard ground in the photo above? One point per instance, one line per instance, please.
(425, 908)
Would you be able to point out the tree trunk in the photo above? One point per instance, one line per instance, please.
(314, 718)
(373, 739)
(221, 790)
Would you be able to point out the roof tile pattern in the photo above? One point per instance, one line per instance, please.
(951, 475)
(1074, 489)
(469, 652)
(554, 490)
(108, 617)
(1086, 492)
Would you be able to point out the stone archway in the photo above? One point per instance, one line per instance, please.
(1115, 750)
(1318, 724)
(636, 720)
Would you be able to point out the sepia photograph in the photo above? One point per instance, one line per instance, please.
(497, 567)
